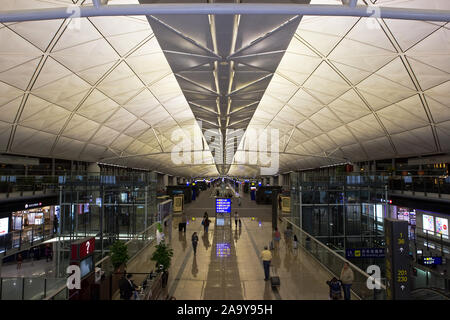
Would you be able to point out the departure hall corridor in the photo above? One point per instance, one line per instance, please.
(217, 273)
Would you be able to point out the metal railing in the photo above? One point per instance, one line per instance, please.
(20, 240)
(427, 184)
(333, 262)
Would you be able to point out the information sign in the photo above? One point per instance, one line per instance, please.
(223, 205)
(398, 264)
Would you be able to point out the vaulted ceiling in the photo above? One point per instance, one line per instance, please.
(125, 90)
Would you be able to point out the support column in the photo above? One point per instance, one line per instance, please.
(271, 180)
(166, 181)
(174, 181)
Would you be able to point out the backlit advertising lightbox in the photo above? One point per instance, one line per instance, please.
(442, 227)
(428, 222)
(4, 226)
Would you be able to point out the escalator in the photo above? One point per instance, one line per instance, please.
(429, 294)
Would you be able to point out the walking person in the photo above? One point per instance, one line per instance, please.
(55, 224)
(236, 219)
(295, 242)
(288, 235)
(347, 278)
(276, 238)
(206, 223)
(194, 242)
(183, 222)
(266, 257)
(48, 252)
(240, 224)
(19, 261)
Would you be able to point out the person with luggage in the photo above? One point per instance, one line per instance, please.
(127, 287)
(194, 242)
(206, 222)
(346, 279)
(335, 289)
(266, 257)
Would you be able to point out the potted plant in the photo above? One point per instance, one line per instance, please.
(119, 255)
(163, 257)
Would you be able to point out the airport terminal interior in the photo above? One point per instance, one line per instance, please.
(224, 150)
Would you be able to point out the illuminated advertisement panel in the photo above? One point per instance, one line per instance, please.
(442, 227)
(4, 225)
(428, 222)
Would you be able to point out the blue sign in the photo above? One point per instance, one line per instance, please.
(429, 261)
(364, 253)
(223, 205)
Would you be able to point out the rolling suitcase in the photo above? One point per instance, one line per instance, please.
(180, 226)
(274, 281)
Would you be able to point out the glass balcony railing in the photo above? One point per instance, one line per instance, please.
(135, 245)
(425, 184)
(334, 263)
(16, 241)
(29, 288)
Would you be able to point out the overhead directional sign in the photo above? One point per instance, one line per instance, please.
(398, 264)
(223, 205)
(364, 253)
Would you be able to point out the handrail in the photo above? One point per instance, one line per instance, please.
(332, 251)
(435, 290)
(339, 257)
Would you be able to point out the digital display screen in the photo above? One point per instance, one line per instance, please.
(87, 266)
(220, 221)
(223, 205)
(428, 222)
(4, 226)
(223, 249)
(442, 227)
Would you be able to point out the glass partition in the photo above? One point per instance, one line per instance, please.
(334, 263)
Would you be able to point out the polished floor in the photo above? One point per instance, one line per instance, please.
(227, 264)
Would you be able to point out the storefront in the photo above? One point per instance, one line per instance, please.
(22, 220)
(422, 222)
(35, 213)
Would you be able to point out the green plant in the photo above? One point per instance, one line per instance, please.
(159, 227)
(162, 256)
(119, 254)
